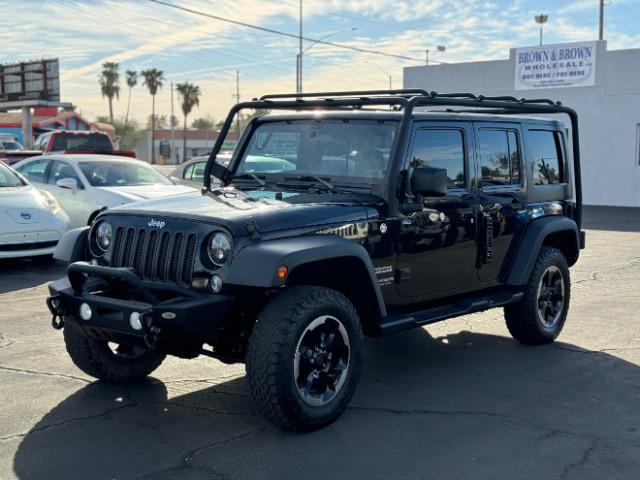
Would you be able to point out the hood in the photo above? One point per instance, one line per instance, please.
(234, 209)
(144, 192)
(22, 204)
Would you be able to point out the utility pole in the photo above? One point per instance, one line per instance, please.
(299, 89)
(237, 97)
(173, 130)
(601, 29)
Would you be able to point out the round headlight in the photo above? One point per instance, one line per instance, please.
(104, 236)
(219, 248)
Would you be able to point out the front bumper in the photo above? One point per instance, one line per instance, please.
(168, 314)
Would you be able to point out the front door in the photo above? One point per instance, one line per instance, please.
(74, 202)
(437, 243)
(502, 198)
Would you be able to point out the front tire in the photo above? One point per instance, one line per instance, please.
(97, 359)
(538, 318)
(304, 358)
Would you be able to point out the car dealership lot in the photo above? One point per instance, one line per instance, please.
(459, 399)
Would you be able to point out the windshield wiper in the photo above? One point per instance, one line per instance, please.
(251, 176)
(311, 178)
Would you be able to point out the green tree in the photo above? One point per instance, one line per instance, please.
(203, 123)
(132, 81)
(190, 95)
(109, 80)
(153, 79)
(159, 121)
(129, 133)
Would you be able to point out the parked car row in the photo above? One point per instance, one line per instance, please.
(61, 141)
(44, 196)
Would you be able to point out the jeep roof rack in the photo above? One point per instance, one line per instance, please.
(406, 99)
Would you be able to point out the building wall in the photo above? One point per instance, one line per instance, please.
(609, 114)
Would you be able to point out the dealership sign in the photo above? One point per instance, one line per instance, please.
(553, 66)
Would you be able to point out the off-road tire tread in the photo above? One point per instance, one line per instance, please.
(95, 358)
(271, 334)
(521, 317)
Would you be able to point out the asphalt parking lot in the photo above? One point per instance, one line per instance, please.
(455, 400)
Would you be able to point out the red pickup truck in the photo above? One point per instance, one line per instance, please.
(70, 141)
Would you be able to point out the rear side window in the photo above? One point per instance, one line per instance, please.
(34, 171)
(440, 148)
(546, 155)
(194, 172)
(499, 157)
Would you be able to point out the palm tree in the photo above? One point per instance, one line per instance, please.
(132, 81)
(153, 79)
(190, 94)
(109, 84)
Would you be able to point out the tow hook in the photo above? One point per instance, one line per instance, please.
(151, 337)
(57, 320)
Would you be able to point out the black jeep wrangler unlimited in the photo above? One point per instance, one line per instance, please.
(350, 213)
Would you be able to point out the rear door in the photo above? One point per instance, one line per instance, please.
(437, 244)
(502, 195)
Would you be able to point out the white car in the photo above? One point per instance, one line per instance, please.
(84, 184)
(31, 222)
(191, 172)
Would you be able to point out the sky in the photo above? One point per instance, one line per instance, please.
(140, 34)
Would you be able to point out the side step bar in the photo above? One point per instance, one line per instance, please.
(398, 322)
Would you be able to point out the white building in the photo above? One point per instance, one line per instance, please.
(602, 86)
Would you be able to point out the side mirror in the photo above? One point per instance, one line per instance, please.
(68, 183)
(429, 182)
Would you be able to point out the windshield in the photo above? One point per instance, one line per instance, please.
(324, 148)
(122, 174)
(8, 178)
(11, 146)
(95, 142)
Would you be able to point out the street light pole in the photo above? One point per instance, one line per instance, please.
(299, 56)
(601, 24)
(383, 71)
(300, 52)
(541, 20)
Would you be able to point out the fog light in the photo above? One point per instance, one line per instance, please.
(85, 311)
(135, 321)
(215, 284)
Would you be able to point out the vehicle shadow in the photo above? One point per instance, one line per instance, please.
(466, 405)
(19, 274)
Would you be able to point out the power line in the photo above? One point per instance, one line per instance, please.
(285, 34)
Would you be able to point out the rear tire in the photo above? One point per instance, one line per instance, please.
(304, 358)
(95, 358)
(539, 317)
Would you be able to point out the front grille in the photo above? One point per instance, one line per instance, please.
(154, 255)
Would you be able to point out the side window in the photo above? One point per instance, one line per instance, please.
(188, 172)
(499, 157)
(34, 171)
(60, 170)
(546, 156)
(440, 148)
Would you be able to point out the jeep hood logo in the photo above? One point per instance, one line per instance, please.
(156, 223)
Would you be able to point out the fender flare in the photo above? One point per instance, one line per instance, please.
(257, 264)
(73, 246)
(533, 239)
